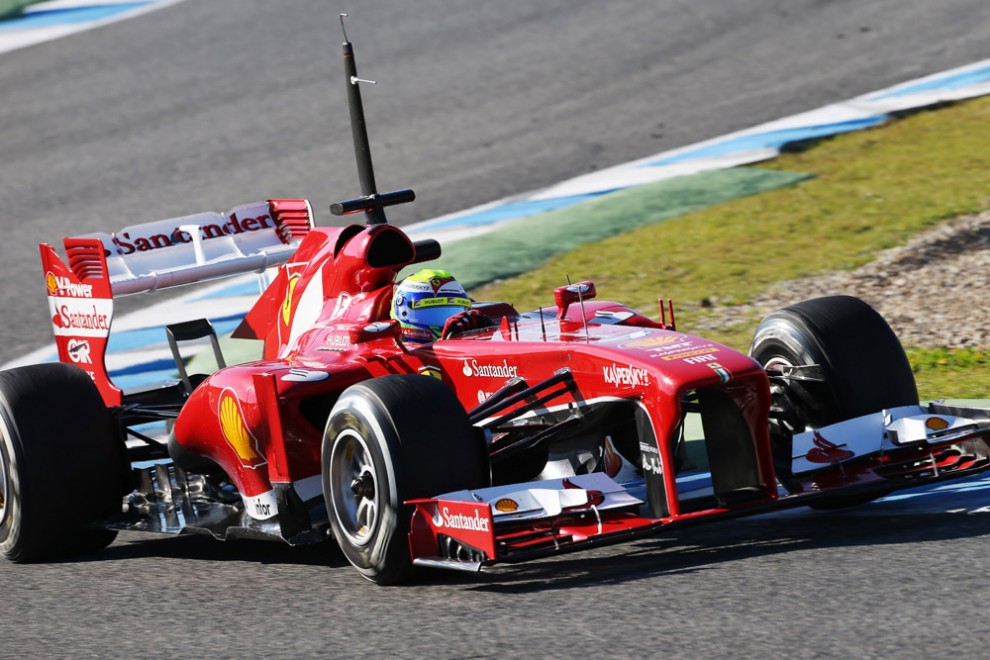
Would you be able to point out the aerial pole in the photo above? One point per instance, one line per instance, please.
(371, 202)
(359, 129)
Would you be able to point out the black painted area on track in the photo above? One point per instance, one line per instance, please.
(817, 584)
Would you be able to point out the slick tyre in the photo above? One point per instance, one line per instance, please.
(389, 440)
(864, 370)
(61, 464)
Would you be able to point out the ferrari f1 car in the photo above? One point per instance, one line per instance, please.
(576, 424)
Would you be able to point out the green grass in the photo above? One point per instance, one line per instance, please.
(13, 8)
(872, 190)
(962, 373)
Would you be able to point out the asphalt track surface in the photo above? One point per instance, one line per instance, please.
(208, 104)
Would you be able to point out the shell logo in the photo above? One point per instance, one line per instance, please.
(236, 433)
(652, 341)
(52, 283)
(287, 303)
(506, 505)
(936, 424)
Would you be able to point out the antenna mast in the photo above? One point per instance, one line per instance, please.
(359, 129)
(371, 202)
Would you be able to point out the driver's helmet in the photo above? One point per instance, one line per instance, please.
(424, 301)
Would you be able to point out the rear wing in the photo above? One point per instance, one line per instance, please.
(157, 255)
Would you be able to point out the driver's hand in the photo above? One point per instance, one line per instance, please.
(470, 319)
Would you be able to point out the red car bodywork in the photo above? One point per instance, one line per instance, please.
(325, 324)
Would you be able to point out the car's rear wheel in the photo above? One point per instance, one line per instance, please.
(863, 370)
(62, 465)
(389, 440)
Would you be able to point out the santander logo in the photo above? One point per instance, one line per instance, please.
(478, 369)
(86, 320)
(475, 523)
(129, 241)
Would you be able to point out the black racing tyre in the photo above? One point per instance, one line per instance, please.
(864, 369)
(62, 464)
(389, 440)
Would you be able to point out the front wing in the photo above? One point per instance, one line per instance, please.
(870, 455)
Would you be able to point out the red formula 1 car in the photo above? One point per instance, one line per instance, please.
(573, 425)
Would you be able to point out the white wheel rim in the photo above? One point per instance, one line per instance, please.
(354, 487)
(777, 362)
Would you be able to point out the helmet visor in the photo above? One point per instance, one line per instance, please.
(435, 316)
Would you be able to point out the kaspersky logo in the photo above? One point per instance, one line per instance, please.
(617, 374)
(236, 433)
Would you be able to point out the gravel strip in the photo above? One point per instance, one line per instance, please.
(933, 291)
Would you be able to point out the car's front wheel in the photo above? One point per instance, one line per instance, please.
(862, 370)
(389, 440)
